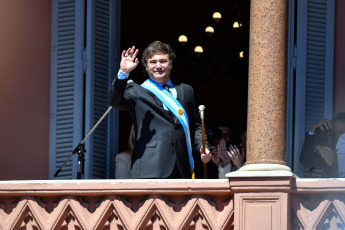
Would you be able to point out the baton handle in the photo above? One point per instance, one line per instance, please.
(201, 111)
(204, 146)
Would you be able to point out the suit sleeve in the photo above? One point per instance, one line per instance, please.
(122, 94)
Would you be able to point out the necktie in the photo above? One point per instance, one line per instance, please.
(166, 86)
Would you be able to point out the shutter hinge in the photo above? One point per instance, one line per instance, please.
(294, 57)
(85, 61)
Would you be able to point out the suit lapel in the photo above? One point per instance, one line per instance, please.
(180, 93)
(156, 100)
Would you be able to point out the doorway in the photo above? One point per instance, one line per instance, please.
(219, 75)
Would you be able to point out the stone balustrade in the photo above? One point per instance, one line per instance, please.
(237, 203)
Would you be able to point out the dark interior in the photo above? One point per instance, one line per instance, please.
(218, 75)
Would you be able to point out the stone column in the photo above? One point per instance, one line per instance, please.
(265, 177)
(266, 132)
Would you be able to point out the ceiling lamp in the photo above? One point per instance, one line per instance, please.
(182, 38)
(236, 25)
(241, 54)
(217, 16)
(209, 31)
(198, 50)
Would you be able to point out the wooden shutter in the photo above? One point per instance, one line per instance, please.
(66, 85)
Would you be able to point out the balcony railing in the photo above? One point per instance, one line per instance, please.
(237, 203)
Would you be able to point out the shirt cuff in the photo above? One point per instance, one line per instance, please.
(121, 75)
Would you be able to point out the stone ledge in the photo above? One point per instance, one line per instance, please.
(105, 187)
(262, 170)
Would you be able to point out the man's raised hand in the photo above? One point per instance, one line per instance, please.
(129, 60)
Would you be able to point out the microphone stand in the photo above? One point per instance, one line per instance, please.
(80, 149)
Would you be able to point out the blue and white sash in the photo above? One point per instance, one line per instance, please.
(176, 108)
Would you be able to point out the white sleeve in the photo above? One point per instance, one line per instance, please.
(222, 171)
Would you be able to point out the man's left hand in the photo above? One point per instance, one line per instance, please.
(205, 157)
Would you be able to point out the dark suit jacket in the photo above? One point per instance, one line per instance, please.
(160, 142)
(311, 158)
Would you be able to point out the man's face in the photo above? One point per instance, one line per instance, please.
(159, 68)
(339, 128)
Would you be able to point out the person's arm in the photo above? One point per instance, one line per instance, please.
(129, 62)
(122, 166)
(313, 155)
(340, 150)
(205, 157)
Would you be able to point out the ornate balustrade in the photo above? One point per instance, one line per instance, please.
(238, 203)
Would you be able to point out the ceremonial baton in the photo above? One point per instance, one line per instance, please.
(201, 111)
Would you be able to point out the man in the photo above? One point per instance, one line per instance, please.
(319, 148)
(165, 116)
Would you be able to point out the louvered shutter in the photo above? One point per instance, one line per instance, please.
(313, 87)
(66, 103)
(101, 53)
(319, 64)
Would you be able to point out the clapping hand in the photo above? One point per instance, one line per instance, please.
(223, 153)
(129, 60)
(236, 156)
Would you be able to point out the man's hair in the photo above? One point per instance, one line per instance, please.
(157, 47)
(339, 117)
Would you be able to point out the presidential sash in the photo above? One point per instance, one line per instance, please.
(176, 108)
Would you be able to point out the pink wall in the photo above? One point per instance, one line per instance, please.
(339, 58)
(25, 28)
